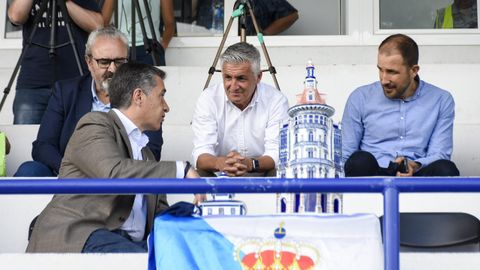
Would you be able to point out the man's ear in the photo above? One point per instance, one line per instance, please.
(415, 69)
(137, 96)
(259, 77)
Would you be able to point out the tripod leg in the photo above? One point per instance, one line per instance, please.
(133, 52)
(68, 25)
(154, 44)
(53, 29)
(146, 42)
(212, 69)
(271, 68)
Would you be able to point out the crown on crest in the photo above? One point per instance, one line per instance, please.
(276, 253)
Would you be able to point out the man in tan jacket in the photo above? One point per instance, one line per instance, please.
(111, 145)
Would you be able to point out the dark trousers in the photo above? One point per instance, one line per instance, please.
(144, 57)
(116, 241)
(362, 163)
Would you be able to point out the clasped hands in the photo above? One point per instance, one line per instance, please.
(234, 164)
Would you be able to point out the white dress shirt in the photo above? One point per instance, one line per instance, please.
(220, 127)
(137, 220)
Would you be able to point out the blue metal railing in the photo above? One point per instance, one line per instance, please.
(389, 187)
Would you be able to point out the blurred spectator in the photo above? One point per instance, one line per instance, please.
(39, 68)
(273, 16)
(459, 14)
(163, 21)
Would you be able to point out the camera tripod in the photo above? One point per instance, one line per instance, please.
(52, 11)
(240, 12)
(151, 45)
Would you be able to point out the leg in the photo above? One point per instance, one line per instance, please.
(29, 105)
(441, 167)
(361, 163)
(32, 169)
(118, 241)
(144, 57)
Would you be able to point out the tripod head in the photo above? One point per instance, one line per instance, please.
(239, 11)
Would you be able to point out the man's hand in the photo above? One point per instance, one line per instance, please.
(235, 164)
(198, 197)
(413, 167)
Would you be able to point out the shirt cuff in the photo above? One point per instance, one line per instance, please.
(180, 169)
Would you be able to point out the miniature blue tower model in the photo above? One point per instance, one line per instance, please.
(310, 147)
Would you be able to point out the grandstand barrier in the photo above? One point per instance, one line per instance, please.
(389, 187)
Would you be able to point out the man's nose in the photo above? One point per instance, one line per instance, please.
(112, 67)
(166, 108)
(234, 84)
(384, 78)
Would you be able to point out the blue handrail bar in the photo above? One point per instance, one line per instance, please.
(389, 187)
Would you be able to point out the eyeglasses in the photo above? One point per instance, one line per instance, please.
(105, 63)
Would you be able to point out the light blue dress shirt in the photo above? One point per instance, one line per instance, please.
(419, 127)
(97, 104)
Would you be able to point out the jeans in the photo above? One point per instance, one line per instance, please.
(29, 105)
(142, 56)
(116, 241)
(34, 169)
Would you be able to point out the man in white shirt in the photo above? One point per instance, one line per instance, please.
(111, 145)
(236, 123)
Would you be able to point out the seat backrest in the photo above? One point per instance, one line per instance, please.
(439, 232)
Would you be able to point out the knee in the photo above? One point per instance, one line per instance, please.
(444, 167)
(361, 163)
(33, 169)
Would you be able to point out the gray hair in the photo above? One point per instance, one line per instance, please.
(242, 52)
(130, 76)
(107, 32)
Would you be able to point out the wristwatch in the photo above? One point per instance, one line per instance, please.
(255, 165)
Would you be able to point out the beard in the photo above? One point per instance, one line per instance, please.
(106, 78)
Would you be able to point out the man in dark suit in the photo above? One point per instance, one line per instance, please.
(111, 145)
(106, 49)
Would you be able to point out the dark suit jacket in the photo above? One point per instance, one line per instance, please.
(71, 99)
(99, 148)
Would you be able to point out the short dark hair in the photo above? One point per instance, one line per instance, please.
(130, 76)
(404, 44)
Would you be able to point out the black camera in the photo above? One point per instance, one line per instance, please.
(403, 166)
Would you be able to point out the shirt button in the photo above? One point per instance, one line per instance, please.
(401, 117)
(401, 137)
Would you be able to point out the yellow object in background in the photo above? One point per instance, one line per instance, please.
(3, 165)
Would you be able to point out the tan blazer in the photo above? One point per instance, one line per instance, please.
(99, 148)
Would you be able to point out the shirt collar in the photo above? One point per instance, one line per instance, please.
(418, 91)
(133, 132)
(255, 98)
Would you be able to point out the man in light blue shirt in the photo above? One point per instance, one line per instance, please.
(400, 125)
